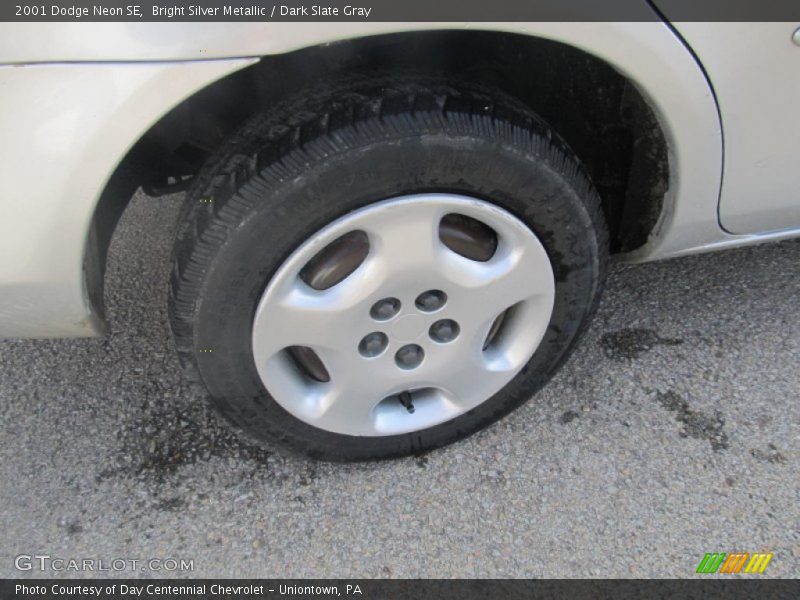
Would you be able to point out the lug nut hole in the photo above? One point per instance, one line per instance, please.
(444, 330)
(431, 301)
(385, 309)
(373, 344)
(409, 356)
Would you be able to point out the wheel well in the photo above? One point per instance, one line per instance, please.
(599, 112)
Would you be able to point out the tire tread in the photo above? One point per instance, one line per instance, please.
(276, 144)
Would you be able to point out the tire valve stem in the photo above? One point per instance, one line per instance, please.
(405, 400)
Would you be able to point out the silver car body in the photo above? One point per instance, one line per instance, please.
(75, 97)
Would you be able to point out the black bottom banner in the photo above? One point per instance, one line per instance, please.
(464, 589)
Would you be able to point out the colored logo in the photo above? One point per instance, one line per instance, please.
(736, 562)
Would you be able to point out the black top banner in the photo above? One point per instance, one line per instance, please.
(397, 10)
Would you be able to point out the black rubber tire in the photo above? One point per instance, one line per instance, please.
(291, 170)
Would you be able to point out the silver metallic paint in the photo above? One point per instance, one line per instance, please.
(66, 127)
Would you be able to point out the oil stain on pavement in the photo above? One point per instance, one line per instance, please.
(107, 450)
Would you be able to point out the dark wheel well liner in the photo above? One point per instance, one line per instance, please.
(600, 113)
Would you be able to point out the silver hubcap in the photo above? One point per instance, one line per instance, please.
(413, 333)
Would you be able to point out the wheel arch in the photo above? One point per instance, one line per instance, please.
(618, 127)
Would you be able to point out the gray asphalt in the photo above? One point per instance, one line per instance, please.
(674, 430)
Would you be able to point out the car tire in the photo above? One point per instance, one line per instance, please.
(335, 177)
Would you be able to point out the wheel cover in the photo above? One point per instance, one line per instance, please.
(398, 367)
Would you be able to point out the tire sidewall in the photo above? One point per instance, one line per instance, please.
(289, 203)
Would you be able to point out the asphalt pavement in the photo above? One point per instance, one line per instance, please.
(673, 431)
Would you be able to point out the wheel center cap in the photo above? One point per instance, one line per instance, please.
(408, 328)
